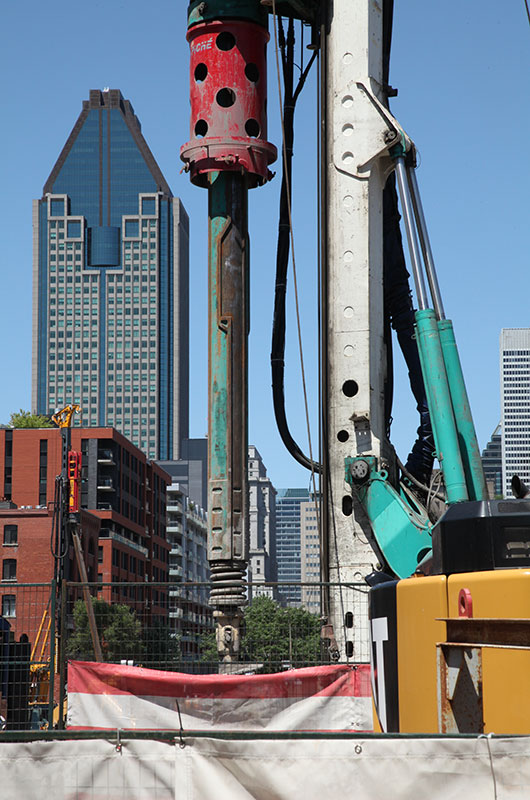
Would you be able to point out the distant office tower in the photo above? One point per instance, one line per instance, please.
(262, 524)
(310, 556)
(288, 543)
(515, 405)
(110, 285)
(492, 463)
(191, 470)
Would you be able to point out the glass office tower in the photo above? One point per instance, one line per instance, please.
(110, 290)
(288, 543)
(515, 406)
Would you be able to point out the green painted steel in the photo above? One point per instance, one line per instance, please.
(228, 366)
(440, 405)
(467, 437)
(187, 737)
(439, 402)
(251, 10)
(400, 526)
(218, 430)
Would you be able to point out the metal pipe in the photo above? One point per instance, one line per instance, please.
(408, 219)
(228, 401)
(467, 437)
(440, 406)
(425, 244)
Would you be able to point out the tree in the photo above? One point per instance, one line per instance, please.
(119, 632)
(274, 636)
(25, 419)
(161, 646)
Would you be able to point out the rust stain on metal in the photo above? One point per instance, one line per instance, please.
(460, 696)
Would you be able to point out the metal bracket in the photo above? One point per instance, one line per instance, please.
(360, 109)
(402, 532)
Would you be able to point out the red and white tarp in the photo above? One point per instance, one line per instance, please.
(313, 698)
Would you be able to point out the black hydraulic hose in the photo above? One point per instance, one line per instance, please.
(283, 249)
(399, 312)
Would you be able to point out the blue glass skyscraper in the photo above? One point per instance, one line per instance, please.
(110, 320)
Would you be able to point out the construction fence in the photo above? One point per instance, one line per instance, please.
(164, 626)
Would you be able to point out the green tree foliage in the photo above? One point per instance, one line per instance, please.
(119, 632)
(25, 419)
(274, 636)
(161, 647)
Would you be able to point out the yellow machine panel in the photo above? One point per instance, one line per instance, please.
(506, 689)
(503, 593)
(421, 602)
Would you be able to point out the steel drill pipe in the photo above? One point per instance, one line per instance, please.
(228, 153)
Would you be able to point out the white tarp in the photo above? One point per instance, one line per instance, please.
(114, 696)
(364, 769)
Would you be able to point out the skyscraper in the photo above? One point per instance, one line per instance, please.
(310, 555)
(262, 523)
(492, 463)
(110, 286)
(288, 542)
(515, 405)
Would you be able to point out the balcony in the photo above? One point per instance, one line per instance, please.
(106, 457)
(105, 533)
(175, 571)
(105, 484)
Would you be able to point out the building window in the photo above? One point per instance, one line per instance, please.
(148, 205)
(9, 605)
(10, 534)
(57, 208)
(74, 229)
(9, 569)
(131, 227)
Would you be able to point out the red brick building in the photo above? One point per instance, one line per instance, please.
(26, 539)
(119, 487)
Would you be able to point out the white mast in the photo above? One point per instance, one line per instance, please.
(358, 132)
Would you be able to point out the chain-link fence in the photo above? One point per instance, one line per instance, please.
(27, 648)
(167, 626)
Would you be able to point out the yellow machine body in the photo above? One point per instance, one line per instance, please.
(464, 656)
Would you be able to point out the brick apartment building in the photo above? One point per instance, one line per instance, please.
(123, 497)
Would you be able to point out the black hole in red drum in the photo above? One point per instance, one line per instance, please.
(225, 97)
(225, 41)
(201, 127)
(252, 73)
(201, 71)
(252, 127)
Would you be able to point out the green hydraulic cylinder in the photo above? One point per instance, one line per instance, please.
(467, 437)
(440, 405)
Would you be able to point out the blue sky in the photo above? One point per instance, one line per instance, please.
(462, 70)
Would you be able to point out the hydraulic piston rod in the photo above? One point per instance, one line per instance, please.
(228, 153)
